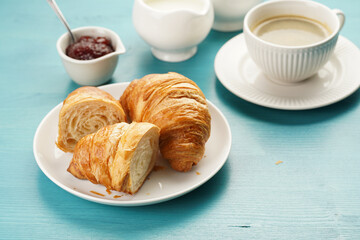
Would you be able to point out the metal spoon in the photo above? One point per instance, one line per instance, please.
(56, 9)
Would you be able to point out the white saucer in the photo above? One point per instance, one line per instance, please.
(338, 79)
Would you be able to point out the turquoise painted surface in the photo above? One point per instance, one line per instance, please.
(313, 194)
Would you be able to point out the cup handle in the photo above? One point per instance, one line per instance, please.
(341, 17)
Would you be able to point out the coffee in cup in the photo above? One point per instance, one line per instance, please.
(291, 30)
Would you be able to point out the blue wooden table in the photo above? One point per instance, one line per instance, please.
(313, 194)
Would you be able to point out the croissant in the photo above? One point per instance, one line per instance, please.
(85, 111)
(118, 156)
(178, 107)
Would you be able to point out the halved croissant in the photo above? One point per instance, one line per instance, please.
(118, 156)
(176, 105)
(84, 111)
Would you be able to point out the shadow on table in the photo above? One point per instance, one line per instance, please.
(73, 85)
(192, 68)
(286, 117)
(135, 221)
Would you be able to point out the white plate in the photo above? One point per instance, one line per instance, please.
(338, 79)
(162, 185)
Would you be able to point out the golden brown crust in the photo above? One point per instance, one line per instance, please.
(118, 156)
(176, 105)
(84, 111)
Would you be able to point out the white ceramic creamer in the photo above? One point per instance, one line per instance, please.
(173, 28)
(171, 5)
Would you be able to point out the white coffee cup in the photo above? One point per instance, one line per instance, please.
(292, 64)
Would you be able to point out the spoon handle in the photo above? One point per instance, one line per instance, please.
(56, 9)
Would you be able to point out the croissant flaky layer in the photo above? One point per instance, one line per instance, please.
(176, 105)
(84, 111)
(118, 156)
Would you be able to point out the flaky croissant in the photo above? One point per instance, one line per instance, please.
(84, 111)
(118, 156)
(176, 105)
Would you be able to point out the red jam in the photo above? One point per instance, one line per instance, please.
(87, 48)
